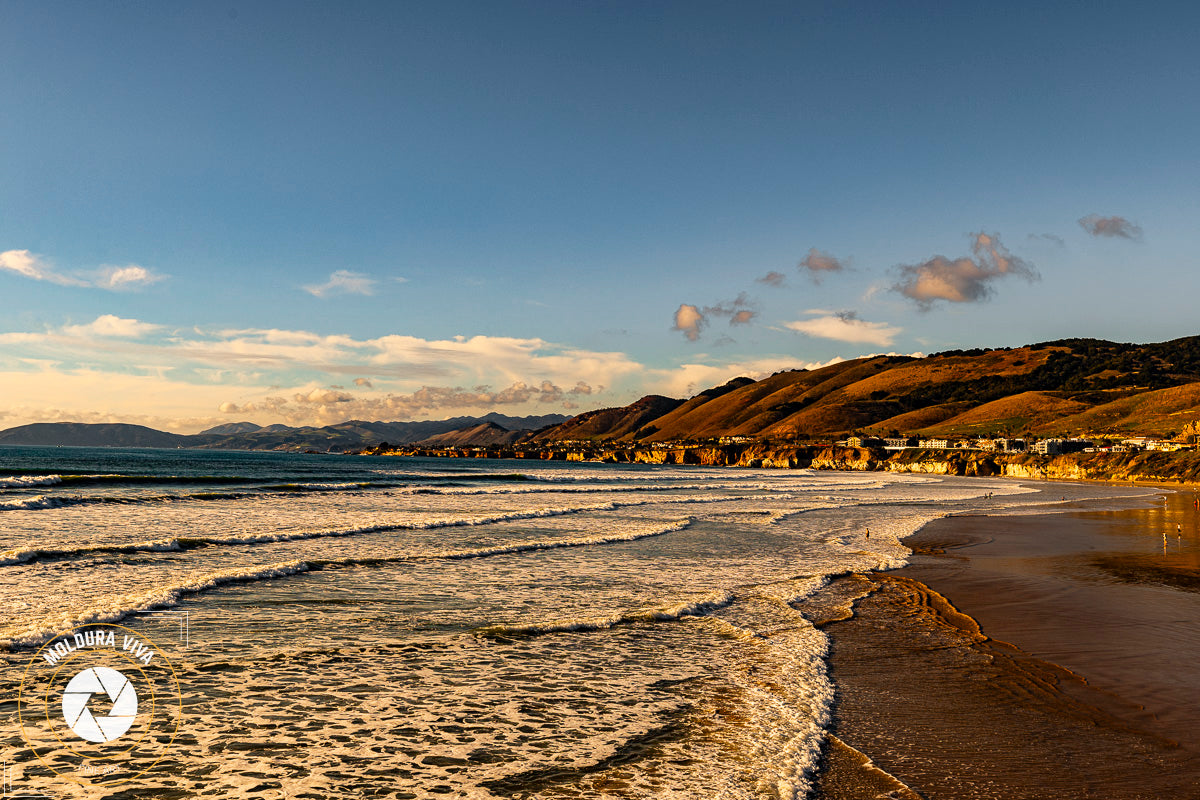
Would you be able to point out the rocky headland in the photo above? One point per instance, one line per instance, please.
(1157, 467)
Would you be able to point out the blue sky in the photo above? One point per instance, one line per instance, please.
(305, 213)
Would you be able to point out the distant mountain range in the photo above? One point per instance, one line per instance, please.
(351, 435)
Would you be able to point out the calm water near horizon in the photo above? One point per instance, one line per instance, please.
(407, 627)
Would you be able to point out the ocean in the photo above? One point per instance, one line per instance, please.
(356, 626)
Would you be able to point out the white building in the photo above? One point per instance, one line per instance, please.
(1048, 447)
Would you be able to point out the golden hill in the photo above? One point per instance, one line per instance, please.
(1066, 386)
(918, 420)
(1006, 416)
(745, 408)
(607, 424)
(1163, 412)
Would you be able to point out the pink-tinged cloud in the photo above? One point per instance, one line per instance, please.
(772, 278)
(739, 310)
(322, 404)
(690, 320)
(817, 264)
(961, 280)
(693, 319)
(1117, 227)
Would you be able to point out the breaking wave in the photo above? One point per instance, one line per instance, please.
(120, 607)
(26, 555)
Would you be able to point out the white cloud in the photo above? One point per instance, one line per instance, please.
(28, 265)
(25, 263)
(845, 326)
(688, 379)
(110, 325)
(296, 376)
(125, 277)
(343, 281)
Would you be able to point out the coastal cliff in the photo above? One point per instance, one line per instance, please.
(1179, 467)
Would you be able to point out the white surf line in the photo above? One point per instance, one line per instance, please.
(19, 556)
(148, 600)
(166, 596)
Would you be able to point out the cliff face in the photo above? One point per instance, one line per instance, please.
(1180, 467)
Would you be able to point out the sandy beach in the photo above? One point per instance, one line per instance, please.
(1043, 656)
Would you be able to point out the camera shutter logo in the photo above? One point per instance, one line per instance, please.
(81, 689)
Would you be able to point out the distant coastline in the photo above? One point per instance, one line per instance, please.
(1181, 467)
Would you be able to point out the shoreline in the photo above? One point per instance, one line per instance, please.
(1024, 657)
(1155, 468)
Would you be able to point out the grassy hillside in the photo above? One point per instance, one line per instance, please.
(607, 424)
(1061, 387)
(1161, 412)
(1007, 416)
(744, 408)
(485, 434)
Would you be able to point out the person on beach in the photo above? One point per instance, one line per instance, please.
(868, 533)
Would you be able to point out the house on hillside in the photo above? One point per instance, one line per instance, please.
(1164, 446)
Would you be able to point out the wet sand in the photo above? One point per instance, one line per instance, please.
(1049, 656)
